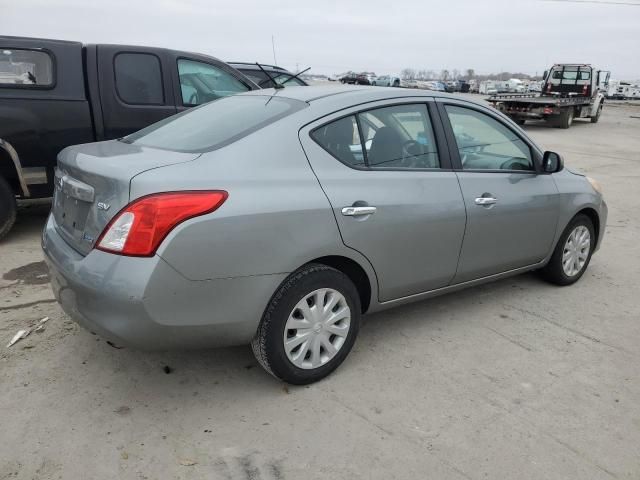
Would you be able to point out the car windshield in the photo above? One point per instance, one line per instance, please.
(215, 124)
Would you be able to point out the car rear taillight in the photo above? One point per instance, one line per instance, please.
(139, 228)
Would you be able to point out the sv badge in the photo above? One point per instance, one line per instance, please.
(103, 206)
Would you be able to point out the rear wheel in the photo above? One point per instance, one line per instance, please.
(573, 252)
(8, 207)
(518, 121)
(565, 119)
(309, 326)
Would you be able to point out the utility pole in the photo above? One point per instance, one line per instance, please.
(273, 47)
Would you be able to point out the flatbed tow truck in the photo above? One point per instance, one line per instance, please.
(569, 91)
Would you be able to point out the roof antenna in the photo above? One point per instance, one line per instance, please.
(276, 85)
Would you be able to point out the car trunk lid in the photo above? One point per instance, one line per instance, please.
(92, 184)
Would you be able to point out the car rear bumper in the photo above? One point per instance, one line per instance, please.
(146, 304)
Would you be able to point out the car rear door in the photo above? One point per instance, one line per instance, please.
(135, 88)
(396, 200)
(512, 207)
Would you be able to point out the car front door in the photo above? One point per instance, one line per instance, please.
(512, 207)
(198, 81)
(386, 173)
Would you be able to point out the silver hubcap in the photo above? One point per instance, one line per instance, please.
(576, 251)
(317, 328)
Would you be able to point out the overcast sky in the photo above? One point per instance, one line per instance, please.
(375, 35)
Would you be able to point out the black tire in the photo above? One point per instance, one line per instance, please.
(8, 208)
(518, 121)
(396, 83)
(553, 271)
(597, 116)
(565, 119)
(268, 345)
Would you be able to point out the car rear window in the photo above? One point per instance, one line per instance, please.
(215, 124)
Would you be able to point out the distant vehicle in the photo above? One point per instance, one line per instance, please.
(436, 86)
(353, 78)
(387, 81)
(488, 87)
(569, 91)
(264, 77)
(618, 90)
(58, 93)
(534, 87)
(269, 220)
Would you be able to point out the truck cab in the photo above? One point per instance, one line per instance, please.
(56, 93)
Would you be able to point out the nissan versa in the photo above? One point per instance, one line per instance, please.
(279, 217)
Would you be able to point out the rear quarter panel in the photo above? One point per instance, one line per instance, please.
(275, 220)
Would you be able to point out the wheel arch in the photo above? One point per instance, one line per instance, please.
(355, 272)
(594, 217)
(11, 169)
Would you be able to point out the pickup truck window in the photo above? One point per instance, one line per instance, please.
(139, 79)
(215, 124)
(25, 68)
(202, 82)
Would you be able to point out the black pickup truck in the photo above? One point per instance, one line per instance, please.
(57, 93)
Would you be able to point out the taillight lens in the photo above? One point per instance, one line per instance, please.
(140, 227)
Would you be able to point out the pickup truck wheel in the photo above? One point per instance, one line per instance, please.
(565, 119)
(8, 207)
(518, 121)
(309, 326)
(596, 117)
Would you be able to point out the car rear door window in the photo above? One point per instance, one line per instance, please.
(396, 137)
(25, 68)
(139, 79)
(400, 136)
(202, 82)
(484, 143)
(341, 139)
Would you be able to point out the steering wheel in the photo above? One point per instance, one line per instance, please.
(409, 159)
(193, 99)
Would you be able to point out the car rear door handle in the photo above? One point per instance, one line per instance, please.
(486, 201)
(358, 211)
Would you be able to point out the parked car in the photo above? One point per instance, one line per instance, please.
(56, 93)
(387, 81)
(353, 78)
(278, 220)
(260, 78)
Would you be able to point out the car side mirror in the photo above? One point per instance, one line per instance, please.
(552, 162)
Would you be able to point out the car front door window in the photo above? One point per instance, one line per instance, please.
(201, 82)
(484, 143)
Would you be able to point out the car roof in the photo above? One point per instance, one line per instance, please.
(357, 94)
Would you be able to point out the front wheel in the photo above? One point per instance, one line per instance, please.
(595, 118)
(309, 326)
(573, 252)
(8, 207)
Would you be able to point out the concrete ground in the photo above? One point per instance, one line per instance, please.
(516, 379)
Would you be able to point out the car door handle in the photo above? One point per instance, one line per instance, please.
(486, 200)
(358, 211)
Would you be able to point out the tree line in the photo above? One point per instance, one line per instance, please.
(455, 74)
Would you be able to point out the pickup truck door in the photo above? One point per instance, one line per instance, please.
(512, 206)
(198, 79)
(135, 88)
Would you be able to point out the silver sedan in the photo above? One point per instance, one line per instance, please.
(278, 218)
